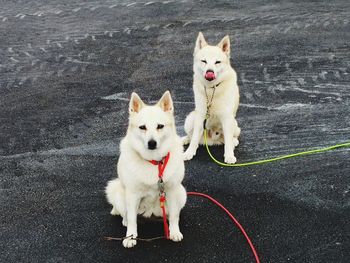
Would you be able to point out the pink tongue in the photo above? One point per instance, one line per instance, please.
(210, 75)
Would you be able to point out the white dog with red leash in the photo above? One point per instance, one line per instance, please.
(150, 169)
(216, 97)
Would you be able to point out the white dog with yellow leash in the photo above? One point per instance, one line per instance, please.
(216, 96)
(150, 169)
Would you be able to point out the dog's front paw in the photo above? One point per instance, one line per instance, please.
(129, 242)
(230, 159)
(188, 155)
(176, 236)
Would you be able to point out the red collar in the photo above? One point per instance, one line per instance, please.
(161, 164)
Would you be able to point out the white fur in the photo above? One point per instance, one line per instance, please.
(135, 190)
(215, 134)
(225, 102)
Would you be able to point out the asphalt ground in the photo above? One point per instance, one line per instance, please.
(67, 69)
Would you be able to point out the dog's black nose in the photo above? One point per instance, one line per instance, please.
(152, 144)
(210, 70)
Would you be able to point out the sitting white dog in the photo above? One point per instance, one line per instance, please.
(151, 136)
(216, 94)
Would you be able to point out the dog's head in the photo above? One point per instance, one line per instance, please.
(211, 63)
(152, 128)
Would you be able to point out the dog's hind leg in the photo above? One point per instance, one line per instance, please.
(185, 140)
(235, 141)
(236, 133)
(115, 212)
(146, 206)
(237, 130)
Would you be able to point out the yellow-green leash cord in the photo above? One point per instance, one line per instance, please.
(347, 144)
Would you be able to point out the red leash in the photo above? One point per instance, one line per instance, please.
(233, 219)
(162, 199)
(162, 196)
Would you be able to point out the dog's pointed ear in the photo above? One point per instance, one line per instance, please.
(166, 102)
(200, 42)
(135, 104)
(224, 45)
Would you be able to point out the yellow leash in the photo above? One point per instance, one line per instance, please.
(346, 144)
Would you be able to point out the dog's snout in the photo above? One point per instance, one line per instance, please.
(152, 144)
(210, 71)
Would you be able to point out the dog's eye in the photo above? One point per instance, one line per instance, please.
(204, 61)
(142, 127)
(160, 126)
(217, 62)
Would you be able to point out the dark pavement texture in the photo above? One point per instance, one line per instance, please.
(67, 69)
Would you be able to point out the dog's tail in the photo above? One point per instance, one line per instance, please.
(113, 188)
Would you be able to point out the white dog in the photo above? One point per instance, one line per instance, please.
(216, 94)
(151, 136)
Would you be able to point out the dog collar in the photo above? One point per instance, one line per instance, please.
(161, 167)
(164, 160)
(215, 86)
